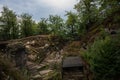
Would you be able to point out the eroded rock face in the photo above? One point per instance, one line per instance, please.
(42, 58)
(17, 52)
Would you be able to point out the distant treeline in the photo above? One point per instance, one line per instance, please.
(89, 12)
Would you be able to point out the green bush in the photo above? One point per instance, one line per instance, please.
(104, 59)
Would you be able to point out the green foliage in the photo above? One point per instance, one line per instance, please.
(10, 29)
(43, 26)
(87, 13)
(71, 23)
(94, 11)
(55, 24)
(104, 59)
(26, 25)
(35, 28)
(108, 7)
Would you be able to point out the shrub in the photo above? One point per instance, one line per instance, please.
(104, 59)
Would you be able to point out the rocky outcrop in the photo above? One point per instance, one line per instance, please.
(17, 52)
(41, 55)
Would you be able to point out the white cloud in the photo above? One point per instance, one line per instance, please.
(39, 8)
(61, 4)
(1, 9)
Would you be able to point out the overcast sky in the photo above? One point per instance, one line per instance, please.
(39, 8)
